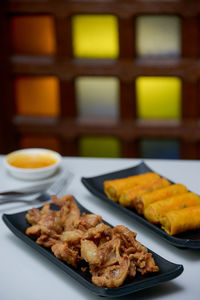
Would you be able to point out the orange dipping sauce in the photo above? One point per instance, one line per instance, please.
(31, 160)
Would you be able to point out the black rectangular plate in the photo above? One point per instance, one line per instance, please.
(17, 224)
(189, 239)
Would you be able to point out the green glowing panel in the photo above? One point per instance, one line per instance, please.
(99, 146)
(97, 96)
(95, 36)
(158, 97)
(158, 35)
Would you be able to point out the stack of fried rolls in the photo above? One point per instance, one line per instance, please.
(161, 202)
(114, 188)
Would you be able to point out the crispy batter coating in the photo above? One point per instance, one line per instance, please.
(87, 221)
(33, 216)
(112, 276)
(112, 254)
(66, 252)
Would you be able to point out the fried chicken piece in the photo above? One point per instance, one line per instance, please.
(128, 242)
(87, 221)
(132, 269)
(33, 216)
(112, 276)
(47, 240)
(68, 254)
(108, 252)
(50, 223)
(69, 212)
(126, 235)
(67, 248)
(144, 262)
(140, 259)
(99, 234)
(64, 200)
(90, 241)
(48, 228)
(73, 236)
(150, 265)
(34, 230)
(107, 267)
(89, 252)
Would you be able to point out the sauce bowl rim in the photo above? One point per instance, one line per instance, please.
(33, 170)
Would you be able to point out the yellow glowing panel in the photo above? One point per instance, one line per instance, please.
(32, 141)
(158, 97)
(158, 35)
(99, 146)
(95, 36)
(97, 96)
(33, 35)
(37, 96)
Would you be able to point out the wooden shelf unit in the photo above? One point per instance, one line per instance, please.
(68, 127)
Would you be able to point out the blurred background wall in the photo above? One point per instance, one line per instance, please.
(101, 78)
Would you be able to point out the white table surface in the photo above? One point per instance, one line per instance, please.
(27, 275)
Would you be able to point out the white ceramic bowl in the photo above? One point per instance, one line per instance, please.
(32, 173)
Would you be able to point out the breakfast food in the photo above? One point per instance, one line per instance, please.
(156, 210)
(157, 199)
(181, 220)
(112, 254)
(129, 197)
(114, 188)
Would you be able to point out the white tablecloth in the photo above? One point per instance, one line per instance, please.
(27, 275)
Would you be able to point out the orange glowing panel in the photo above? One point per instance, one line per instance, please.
(37, 96)
(32, 141)
(33, 35)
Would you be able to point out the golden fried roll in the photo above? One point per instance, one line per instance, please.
(145, 200)
(114, 188)
(181, 220)
(129, 197)
(156, 210)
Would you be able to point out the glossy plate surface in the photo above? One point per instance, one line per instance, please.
(168, 270)
(189, 239)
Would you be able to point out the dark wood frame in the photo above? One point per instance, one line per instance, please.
(68, 128)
